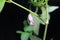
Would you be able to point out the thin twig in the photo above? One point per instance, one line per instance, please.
(45, 32)
(33, 13)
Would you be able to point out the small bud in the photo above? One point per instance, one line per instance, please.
(30, 19)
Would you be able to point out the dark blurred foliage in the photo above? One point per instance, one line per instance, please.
(12, 17)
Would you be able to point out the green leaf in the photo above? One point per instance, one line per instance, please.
(44, 16)
(25, 23)
(52, 8)
(36, 24)
(44, 13)
(19, 32)
(51, 39)
(32, 37)
(28, 29)
(37, 3)
(42, 21)
(33, 1)
(24, 36)
(2, 2)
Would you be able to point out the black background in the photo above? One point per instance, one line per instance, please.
(12, 17)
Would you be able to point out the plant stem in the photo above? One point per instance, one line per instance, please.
(45, 32)
(46, 26)
(47, 21)
(21, 6)
(33, 13)
(36, 10)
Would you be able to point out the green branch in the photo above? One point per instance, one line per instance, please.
(47, 21)
(21, 6)
(45, 32)
(33, 13)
